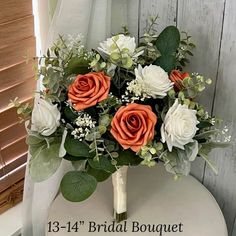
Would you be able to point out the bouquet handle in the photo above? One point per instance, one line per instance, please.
(119, 181)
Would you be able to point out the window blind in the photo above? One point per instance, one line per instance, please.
(17, 46)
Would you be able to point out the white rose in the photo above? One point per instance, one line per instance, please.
(45, 117)
(179, 126)
(122, 41)
(155, 80)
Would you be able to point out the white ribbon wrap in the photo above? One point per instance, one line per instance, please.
(119, 179)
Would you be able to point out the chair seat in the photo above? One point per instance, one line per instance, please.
(156, 203)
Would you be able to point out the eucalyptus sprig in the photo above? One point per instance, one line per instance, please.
(147, 42)
(64, 59)
(24, 110)
(150, 153)
(112, 102)
(195, 84)
(185, 50)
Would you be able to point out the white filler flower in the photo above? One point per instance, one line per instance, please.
(179, 126)
(118, 43)
(45, 117)
(154, 79)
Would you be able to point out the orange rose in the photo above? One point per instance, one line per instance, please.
(133, 126)
(177, 77)
(87, 90)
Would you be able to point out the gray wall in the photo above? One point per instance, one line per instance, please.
(212, 23)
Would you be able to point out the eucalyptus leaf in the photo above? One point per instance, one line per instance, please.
(104, 163)
(176, 164)
(209, 146)
(204, 124)
(208, 161)
(167, 44)
(127, 62)
(35, 149)
(77, 65)
(167, 63)
(207, 134)
(168, 41)
(34, 139)
(76, 148)
(128, 157)
(45, 163)
(77, 186)
(69, 114)
(73, 158)
(105, 120)
(115, 56)
(100, 175)
(190, 151)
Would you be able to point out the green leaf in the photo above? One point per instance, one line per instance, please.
(45, 163)
(34, 139)
(128, 157)
(73, 158)
(48, 53)
(190, 152)
(209, 146)
(209, 162)
(104, 163)
(104, 120)
(77, 186)
(115, 56)
(76, 148)
(168, 41)
(69, 114)
(35, 149)
(77, 65)
(167, 63)
(207, 134)
(204, 124)
(127, 62)
(176, 163)
(99, 175)
(167, 44)
(189, 53)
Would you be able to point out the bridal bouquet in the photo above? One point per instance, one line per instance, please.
(119, 105)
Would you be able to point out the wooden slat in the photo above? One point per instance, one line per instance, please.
(9, 167)
(223, 186)
(15, 75)
(14, 9)
(127, 12)
(12, 134)
(14, 150)
(204, 23)
(12, 178)
(16, 30)
(165, 9)
(11, 196)
(17, 52)
(22, 91)
(133, 17)
(9, 117)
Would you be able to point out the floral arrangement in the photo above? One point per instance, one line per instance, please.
(121, 104)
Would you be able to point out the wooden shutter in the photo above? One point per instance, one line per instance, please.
(17, 46)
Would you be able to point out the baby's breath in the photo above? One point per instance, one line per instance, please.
(138, 90)
(85, 124)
